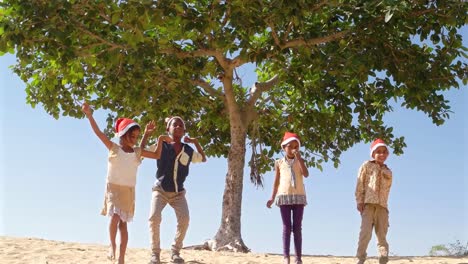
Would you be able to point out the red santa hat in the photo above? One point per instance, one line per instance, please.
(288, 137)
(376, 144)
(122, 125)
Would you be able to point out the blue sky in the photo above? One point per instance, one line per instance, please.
(52, 178)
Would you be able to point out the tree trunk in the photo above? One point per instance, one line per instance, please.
(229, 236)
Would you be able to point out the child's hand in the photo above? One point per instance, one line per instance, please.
(165, 138)
(270, 202)
(360, 207)
(297, 154)
(86, 109)
(190, 140)
(150, 127)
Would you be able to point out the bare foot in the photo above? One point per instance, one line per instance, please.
(122, 260)
(111, 254)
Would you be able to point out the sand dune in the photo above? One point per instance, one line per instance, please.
(33, 250)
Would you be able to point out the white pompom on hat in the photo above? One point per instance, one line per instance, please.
(122, 125)
(288, 137)
(376, 144)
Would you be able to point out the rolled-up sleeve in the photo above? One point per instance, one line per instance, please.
(360, 185)
(197, 157)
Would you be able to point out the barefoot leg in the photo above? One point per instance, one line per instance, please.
(123, 241)
(113, 223)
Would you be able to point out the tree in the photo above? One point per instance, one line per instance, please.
(326, 70)
(455, 249)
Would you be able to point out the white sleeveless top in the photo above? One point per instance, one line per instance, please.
(122, 167)
(288, 194)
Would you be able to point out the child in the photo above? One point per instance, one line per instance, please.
(288, 188)
(173, 167)
(372, 190)
(123, 162)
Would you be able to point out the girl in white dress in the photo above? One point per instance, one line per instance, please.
(123, 161)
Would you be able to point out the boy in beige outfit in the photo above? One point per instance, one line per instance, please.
(372, 190)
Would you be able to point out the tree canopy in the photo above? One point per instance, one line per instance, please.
(327, 70)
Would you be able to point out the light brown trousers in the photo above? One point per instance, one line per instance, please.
(375, 217)
(176, 200)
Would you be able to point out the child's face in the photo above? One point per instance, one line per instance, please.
(291, 148)
(131, 138)
(176, 128)
(380, 154)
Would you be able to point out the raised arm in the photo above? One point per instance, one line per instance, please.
(157, 153)
(304, 169)
(89, 114)
(197, 145)
(150, 127)
(275, 186)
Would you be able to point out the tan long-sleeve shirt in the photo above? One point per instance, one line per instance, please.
(373, 184)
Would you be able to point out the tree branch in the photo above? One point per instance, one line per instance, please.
(314, 41)
(208, 88)
(237, 61)
(225, 63)
(83, 29)
(227, 16)
(422, 12)
(255, 92)
(122, 25)
(258, 88)
(413, 14)
(329, 38)
(318, 6)
(286, 33)
(274, 34)
(186, 54)
(397, 61)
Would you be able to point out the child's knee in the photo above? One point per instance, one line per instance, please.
(115, 219)
(184, 220)
(155, 220)
(123, 226)
(296, 228)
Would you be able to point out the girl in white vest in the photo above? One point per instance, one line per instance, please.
(123, 161)
(289, 192)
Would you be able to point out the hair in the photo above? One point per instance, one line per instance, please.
(130, 130)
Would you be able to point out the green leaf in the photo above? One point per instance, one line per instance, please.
(388, 15)
(115, 18)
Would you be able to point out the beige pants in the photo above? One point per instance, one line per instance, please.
(177, 201)
(373, 216)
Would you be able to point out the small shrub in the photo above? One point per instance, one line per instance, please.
(456, 249)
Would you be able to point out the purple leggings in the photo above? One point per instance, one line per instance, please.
(297, 211)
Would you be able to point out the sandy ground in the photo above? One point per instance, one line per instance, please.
(33, 250)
